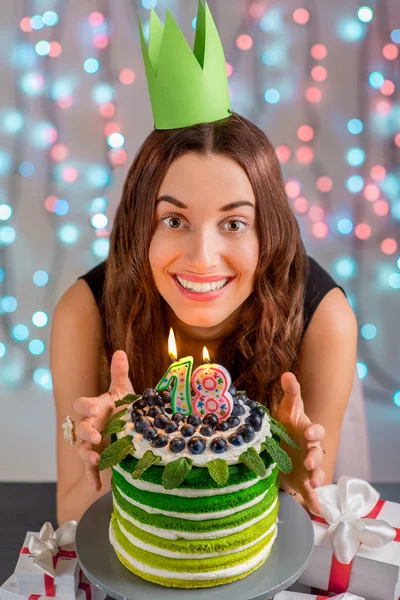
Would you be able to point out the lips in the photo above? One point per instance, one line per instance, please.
(201, 293)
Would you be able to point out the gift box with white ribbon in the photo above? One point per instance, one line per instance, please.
(357, 542)
(86, 591)
(47, 565)
(297, 596)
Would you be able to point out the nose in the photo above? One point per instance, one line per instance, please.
(202, 251)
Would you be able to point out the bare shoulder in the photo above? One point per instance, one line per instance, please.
(76, 350)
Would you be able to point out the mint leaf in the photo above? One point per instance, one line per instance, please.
(282, 433)
(144, 463)
(115, 452)
(113, 427)
(253, 461)
(116, 416)
(128, 399)
(176, 472)
(278, 455)
(218, 470)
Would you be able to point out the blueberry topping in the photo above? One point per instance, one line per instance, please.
(247, 432)
(187, 430)
(255, 420)
(232, 390)
(154, 411)
(258, 410)
(251, 404)
(177, 444)
(171, 427)
(196, 445)
(155, 401)
(149, 433)
(141, 403)
(237, 410)
(178, 417)
(241, 397)
(137, 412)
(210, 419)
(165, 395)
(219, 445)
(161, 421)
(236, 439)
(206, 430)
(149, 393)
(168, 410)
(160, 441)
(141, 423)
(233, 421)
(223, 426)
(193, 420)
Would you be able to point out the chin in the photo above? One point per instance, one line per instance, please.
(201, 319)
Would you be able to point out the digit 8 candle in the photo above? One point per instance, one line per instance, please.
(211, 383)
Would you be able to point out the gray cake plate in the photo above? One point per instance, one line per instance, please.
(289, 557)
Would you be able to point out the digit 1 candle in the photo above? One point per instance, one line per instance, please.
(179, 375)
(211, 384)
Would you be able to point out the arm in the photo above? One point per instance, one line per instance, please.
(326, 370)
(76, 345)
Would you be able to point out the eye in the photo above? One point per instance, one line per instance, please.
(235, 225)
(172, 221)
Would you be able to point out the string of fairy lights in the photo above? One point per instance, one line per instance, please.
(372, 214)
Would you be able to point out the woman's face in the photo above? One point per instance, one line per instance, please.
(204, 251)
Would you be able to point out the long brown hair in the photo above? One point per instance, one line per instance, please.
(266, 339)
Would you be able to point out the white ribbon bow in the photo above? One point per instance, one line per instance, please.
(344, 507)
(45, 545)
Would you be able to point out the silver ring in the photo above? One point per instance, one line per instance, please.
(293, 493)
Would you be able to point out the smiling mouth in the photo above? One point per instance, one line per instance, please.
(204, 287)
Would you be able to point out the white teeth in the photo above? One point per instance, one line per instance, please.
(202, 288)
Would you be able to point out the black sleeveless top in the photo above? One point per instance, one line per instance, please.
(319, 283)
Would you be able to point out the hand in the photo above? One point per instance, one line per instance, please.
(96, 412)
(306, 474)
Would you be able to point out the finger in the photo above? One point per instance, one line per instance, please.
(87, 454)
(85, 431)
(314, 457)
(289, 384)
(86, 406)
(93, 476)
(317, 478)
(311, 498)
(120, 382)
(315, 432)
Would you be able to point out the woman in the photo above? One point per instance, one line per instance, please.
(200, 205)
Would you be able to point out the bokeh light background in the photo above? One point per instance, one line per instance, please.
(320, 78)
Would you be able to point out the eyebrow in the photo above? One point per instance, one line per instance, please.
(226, 208)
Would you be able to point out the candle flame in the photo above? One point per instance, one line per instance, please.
(206, 356)
(172, 346)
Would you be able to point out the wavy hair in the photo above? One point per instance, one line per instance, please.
(266, 338)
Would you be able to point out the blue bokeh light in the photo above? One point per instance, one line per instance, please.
(98, 177)
(368, 331)
(5, 212)
(9, 304)
(40, 278)
(345, 226)
(32, 83)
(394, 281)
(376, 80)
(346, 267)
(396, 398)
(355, 184)
(3, 349)
(149, 4)
(20, 332)
(355, 126)
(98, 205)
(103, 92)
(99, 221)
(115, 140)
(61, 207)
(7, 235)
(2, 274)
(12, 121)
(269, 58)
(101, 247)
(40, 318)
(43, 378)
(50, 18)
(26, 168)
(42, 48)
(37, 22)
(362, 370)
(91, 65)
(355, 157)
(395, 36)
(365, 14)
(350, 29)
(68, 234)
(272, 96)
(36, 347)
(5, 162)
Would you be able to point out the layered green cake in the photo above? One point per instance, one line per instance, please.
(195, 501)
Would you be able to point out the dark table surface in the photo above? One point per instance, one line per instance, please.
(26, 506)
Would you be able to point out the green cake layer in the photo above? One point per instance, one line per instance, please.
(205, 546)
(188, 565)
(180, 524)
(183, 583)
(197, 478)
(205, 504)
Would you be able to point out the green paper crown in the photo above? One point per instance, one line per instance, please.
(186, 87)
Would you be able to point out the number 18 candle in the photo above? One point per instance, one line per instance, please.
(211, 384)
(178, 375)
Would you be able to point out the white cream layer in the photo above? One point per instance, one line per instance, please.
(163, 552)
(191, 492)
(199, 460)
(239, 569)
(171, 534)
(195, 516)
